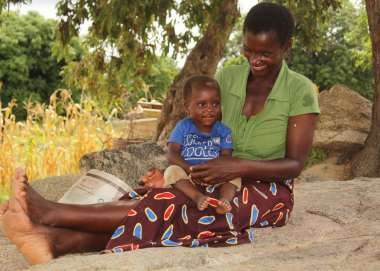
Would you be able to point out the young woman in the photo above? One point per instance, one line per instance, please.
(272, 112)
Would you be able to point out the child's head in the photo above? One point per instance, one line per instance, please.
(202, 100)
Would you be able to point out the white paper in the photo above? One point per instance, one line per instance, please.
(96, 187)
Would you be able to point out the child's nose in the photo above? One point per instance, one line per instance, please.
(208, 107)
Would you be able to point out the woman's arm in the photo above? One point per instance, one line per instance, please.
(298, 144)
(175, 158)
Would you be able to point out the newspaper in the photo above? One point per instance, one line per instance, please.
(95, 187)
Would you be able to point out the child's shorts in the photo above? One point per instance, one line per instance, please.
(175, 173)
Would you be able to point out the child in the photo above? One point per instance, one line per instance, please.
(197, 139)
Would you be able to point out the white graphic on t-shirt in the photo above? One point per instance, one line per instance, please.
(198, 147)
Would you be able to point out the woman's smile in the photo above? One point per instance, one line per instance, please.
(264, 52)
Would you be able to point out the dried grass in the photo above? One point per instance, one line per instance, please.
(49, 143)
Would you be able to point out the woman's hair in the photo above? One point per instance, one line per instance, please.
(265, 17)
(198, 81)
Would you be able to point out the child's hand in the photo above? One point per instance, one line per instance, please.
(154, 178)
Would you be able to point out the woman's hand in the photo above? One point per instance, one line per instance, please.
(216, 171)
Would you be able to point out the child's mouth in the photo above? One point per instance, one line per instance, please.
(208, 117)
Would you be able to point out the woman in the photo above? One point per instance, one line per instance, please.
(272, 112)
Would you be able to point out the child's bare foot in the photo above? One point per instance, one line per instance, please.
(224, 206)
(30, 239)
(201, 202)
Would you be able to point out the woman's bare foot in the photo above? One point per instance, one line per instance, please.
(201, 202)
(224, 206)
(4, 207)
(33, 204)
(32, 240)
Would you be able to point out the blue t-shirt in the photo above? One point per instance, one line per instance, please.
(198, 147)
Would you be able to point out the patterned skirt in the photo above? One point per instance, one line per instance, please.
(166, 217)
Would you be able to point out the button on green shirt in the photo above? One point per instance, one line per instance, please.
(263, 136)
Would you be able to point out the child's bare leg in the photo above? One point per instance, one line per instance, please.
(101, 218)
(226, 194)
(189, 190)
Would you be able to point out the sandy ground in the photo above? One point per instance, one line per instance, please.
(334, 226)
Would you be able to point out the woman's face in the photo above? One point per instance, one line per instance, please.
(264, 52)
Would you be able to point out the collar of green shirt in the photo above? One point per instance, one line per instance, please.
(278, 91)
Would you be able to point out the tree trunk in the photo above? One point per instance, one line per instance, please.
(367, 161)
(203, 59)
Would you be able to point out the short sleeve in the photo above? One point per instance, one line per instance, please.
(177, 135)
(304, 100)
(225, 137)
(220, 79)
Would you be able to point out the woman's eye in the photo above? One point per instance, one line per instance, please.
(246, 49)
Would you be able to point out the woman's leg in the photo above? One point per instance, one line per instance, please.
(40, 243)
(98, 218)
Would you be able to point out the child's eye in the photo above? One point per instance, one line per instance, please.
(215, 104)
(266, 54)
(201, 104)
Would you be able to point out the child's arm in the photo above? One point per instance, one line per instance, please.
(175, 158)
(226, 152)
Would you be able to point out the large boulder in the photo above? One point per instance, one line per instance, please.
(334, 226)
(128, 163)
(345, 119)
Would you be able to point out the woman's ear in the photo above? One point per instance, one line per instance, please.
(288, 45)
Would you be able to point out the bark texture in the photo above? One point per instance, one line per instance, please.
(203, 59)
(367, 161)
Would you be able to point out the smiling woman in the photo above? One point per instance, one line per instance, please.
(263, 102)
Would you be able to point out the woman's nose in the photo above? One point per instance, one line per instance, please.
(254, 58)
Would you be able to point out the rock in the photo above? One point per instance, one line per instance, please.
(129, 163)
(334, 226)
(327, 170)
(345, 119)
(53, 188)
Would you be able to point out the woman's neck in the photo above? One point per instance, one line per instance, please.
(268, 80)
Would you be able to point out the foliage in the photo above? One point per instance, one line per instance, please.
(157, 79)
(340, 52)
(27, 67)
(344, 54)
(309, 16)
(124, 41)
(112, 88)
(49, 143)
(6, 3)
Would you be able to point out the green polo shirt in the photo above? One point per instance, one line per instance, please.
(263, 136)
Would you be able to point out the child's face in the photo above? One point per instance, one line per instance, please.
(264, 52)
(204, 107)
